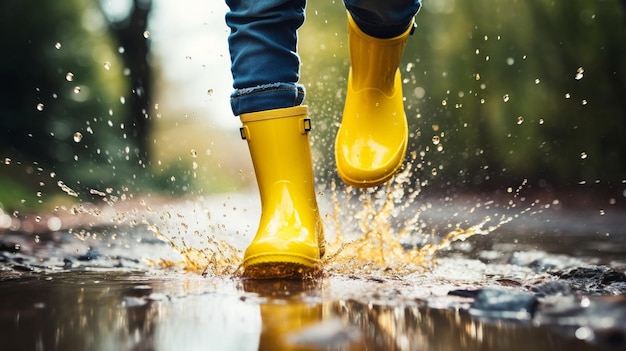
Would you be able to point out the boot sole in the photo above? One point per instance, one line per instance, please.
(281, 267)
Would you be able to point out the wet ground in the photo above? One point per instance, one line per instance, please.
(138, 277)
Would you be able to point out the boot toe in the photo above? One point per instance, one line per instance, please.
(371, 164)
(366, 166)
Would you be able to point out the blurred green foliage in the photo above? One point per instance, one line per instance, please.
(66, 106)
(513, 90)
(54, 85)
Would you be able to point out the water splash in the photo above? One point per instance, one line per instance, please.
(380, 246)
(375, 231)
(369, 231)
(204, 234)
(371, 235)
(217, 258)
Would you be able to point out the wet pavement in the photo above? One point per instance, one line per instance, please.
(162, 278)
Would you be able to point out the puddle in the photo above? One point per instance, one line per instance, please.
(106, 310)
(546, 280)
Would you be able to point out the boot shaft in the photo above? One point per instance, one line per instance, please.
(278, 141)
(374, 61)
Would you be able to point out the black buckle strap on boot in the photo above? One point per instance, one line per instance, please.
(306, 124)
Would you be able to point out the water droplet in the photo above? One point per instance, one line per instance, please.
(57, 45)
(434, 171)
(40, 107)
(541, 121)
(107, 65)
(520, 120)
(537, 81)
(122, 100)
(602, 212)
(67, 189)
(579, 73)
(584, 102)
(194, 165)
(76, 90)
(37, 219)
(583, 155)
(54, 223)
(506, 98)
(146, 34)
(78, 137)
(567, 95)
(436, 140)
(7, 161)
(69, 76)
(419, 92)
(510, 61)
(193, 153)
(210, 91)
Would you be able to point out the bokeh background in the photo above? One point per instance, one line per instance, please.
(129, 98)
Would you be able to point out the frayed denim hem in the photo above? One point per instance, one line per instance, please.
(266, 97)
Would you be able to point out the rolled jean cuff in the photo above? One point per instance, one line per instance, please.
(266, 97)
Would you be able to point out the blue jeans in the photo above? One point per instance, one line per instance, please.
(262, 44)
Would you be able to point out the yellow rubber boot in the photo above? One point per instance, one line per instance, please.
(289, 241)
(372, 139)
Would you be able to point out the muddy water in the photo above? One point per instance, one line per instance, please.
(142, 311)
(544, 280)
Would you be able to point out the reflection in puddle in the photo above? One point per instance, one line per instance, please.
(145, 311)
